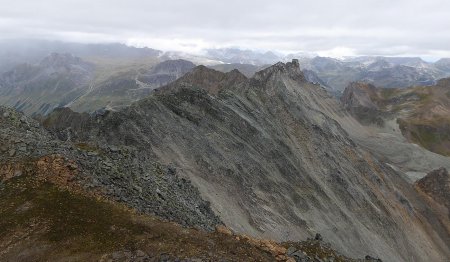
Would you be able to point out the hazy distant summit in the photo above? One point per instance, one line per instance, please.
(332, 73)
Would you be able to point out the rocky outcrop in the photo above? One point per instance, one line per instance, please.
(437, 186)
(119, 173)
(273, 163)
(358, 99)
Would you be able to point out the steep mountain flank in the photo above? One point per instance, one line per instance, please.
(55, 81)
(437, 185)
(114, 172)
(69, 202)
(357, 99)
(421, 112)
(268, 155)
(249, 70)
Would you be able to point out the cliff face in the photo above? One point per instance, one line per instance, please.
(267, 155)
(360, 99)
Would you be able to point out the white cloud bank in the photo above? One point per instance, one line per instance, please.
(331, 28)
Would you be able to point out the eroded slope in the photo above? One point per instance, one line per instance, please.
(272, 161)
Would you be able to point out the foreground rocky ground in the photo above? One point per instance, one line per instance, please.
(52, 211)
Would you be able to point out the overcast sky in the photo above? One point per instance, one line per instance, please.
(329, 28)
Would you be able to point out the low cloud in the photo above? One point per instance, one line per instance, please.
(334, 28)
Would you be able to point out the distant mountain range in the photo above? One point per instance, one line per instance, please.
(380, 71)
(391, 72)
(273, 155)
(38, 76)
(63, 80)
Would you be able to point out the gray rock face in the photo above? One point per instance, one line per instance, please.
(436, 184)
(357, 99)
(271, 162)
(122, 173)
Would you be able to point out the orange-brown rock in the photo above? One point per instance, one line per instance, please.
(224, 230)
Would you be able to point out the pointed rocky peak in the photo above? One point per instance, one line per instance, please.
(202, 76)
(292, 69)
(235, 75)
(209, 79)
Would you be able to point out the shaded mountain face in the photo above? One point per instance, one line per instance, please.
(421, 112)
(55, 81)
(268, 155)
(358, 98)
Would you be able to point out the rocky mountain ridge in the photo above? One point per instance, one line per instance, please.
(71, 201)
(271, 158)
